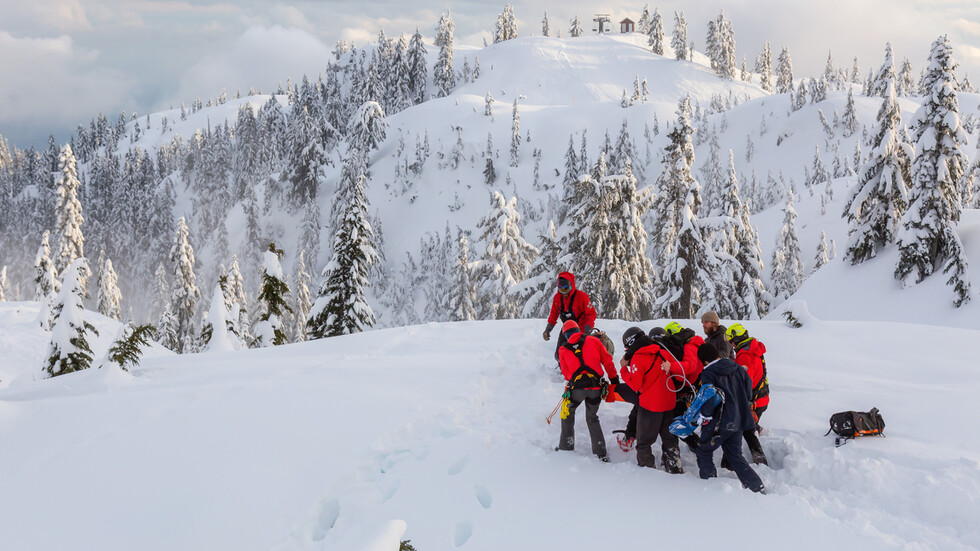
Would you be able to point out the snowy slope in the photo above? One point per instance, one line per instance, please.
(566, 87)
(322, 445)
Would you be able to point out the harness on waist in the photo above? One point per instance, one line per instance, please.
(584, 376)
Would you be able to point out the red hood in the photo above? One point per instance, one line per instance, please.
(570, 277)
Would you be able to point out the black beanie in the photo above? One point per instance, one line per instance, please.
(707, 353)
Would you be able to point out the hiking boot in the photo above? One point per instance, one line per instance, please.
(604, 459)
(626, 443)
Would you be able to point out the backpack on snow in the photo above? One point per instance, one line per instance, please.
(852, 424)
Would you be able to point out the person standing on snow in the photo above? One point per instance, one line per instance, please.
(687, 341)
(569, 304)
(645, 369)
(582, 359)
(750, 354)
(715, 334)
(725, 419)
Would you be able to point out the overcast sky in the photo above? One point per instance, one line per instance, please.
(64, 61)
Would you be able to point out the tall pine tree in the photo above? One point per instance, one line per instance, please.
(928, 239)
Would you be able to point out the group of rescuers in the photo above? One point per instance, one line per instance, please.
(659, 374)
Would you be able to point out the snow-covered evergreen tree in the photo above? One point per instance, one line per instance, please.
(928, 239)
(68, 214)
(506, 258)
(656, 33)
(784, 73)
(219, 333)
(580, 253)
(575, 28)
(309, 238)
(489, 172)
(886, 74)
(643, 25)
(108, 297)
(684, 257)
(184, 292)
(462, 298)
(367, 128)
(272, 298)
(878, 202)
(308, 159)
(823, 253)
(545, 25)
(679, 39)
(417, 72)
(443, 74)
(46, 283)
(623, 269)
(506, 28)
(515, 135)
(787, 258)
(763, 66)
(302, 304)
(341, 307)
(535, 293)
(69, 349)
(235, 295)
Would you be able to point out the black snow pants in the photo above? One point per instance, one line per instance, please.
(592, 399)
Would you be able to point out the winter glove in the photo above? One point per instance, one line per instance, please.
(546, 335)
(586, 330)
(614, 381)
(702, 420)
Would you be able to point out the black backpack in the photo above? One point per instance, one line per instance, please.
(852, 424)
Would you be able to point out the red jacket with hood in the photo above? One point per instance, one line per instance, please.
(594, 354)
(645, 376)
(577, 304)
(748, 354)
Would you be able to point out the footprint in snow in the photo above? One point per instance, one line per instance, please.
(484, 497)
(463, 532)
(459, 466)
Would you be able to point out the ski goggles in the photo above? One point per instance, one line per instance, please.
(564, 285)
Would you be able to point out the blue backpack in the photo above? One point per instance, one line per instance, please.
(685, 425)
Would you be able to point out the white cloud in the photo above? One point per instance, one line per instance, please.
(61, 84)
(967, 26)
(260, 57)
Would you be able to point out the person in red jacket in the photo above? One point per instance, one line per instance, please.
(646, 370)
(569, 304)
(750, 354)
(582, 359)
(688, 342)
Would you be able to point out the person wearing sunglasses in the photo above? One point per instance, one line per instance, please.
(569, 304)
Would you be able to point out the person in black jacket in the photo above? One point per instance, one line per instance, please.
(722, 424)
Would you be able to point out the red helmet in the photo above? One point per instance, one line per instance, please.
(570, 324)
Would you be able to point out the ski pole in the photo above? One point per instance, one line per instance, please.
(554, 411)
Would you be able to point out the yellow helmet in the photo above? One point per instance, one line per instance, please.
(673, 328)
(735, 331)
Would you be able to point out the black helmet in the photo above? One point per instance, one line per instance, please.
(630, 336)
(658, 333)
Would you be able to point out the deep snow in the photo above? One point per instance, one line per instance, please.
(322, 445)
